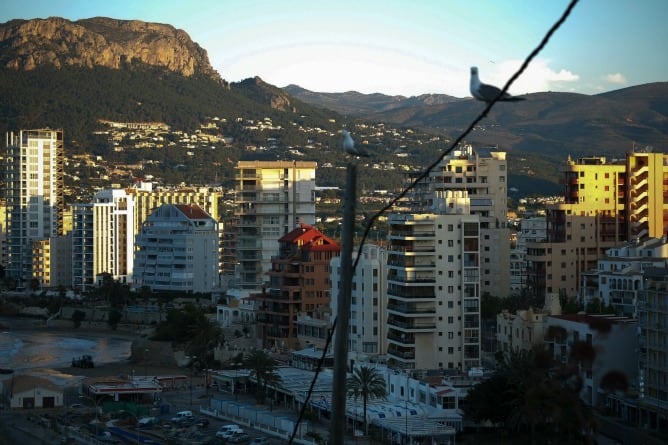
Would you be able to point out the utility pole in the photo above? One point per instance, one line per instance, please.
(339, 393)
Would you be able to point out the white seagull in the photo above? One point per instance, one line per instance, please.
(487, 93)
(349, 145)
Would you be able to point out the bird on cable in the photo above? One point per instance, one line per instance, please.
(349, 145)
(487, 93)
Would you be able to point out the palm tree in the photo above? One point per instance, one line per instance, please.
(263, 368)
(367, 383)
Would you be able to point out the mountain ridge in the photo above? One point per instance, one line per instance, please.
(615, 120)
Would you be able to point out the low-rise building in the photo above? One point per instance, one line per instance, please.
(520, 331)
(614, 347)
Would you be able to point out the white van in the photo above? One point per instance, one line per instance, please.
(226, 431)
(182, 415)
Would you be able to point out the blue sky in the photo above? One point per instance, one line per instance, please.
(402, 46)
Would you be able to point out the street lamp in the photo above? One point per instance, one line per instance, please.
(146, 351)
(234, 379)
(192, 366)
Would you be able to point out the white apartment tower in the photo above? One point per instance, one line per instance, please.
(433, 286)
(103, 238)
(482, 173)
(177, 250)
(367, 337)
(33, 190)
(271, 199)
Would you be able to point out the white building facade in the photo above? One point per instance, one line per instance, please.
(177, 250)
(367, 336)
(103, 239)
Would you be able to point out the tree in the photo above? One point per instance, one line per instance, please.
(114, 318)
(77, 317)
(263, 368)
(367, 383)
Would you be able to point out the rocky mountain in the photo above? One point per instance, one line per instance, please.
(100, 42)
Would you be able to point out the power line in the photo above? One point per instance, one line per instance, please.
(424, 174)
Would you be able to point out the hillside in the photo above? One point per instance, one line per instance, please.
(70, 75)
(550, 125)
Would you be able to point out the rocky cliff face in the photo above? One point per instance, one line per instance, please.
(28, 44)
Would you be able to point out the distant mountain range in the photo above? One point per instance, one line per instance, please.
(549, 124)
(64, 74)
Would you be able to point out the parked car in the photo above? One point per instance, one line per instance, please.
(227, 431)
(260, 440)
(148, 421)
(239, 438)
(181, 415)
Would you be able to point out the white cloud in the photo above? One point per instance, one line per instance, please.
(616, 78)
(538, 77)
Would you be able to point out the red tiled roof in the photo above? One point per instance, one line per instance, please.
(310, 238)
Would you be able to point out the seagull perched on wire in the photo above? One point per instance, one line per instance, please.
(487, 93)
(349, 145)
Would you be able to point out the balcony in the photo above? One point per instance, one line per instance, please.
(401, 354)
(411, 309)
(411, 292)
(411, 280)
(411, 325)
(403, 338)
(411, 234)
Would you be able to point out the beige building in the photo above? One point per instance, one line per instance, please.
(605, 204)
(29, 392)
(433, 287)
(647, 194)
(271, 199)
(520, 331)
(147, 199)
(590, 220)
(33, 192)
(482, 173)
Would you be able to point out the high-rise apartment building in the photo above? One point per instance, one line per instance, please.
(367, 336)
(177, 250)
(271, 199)
(482, 174)
(33, 179)
(299, 284)
(147, 199)
(604, 205)
(433, 286)
(647, 194)
(579, 230)
(103, 238)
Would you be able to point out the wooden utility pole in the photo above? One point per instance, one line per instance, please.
(339, 391)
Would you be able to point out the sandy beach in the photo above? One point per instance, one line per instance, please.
(144, 357)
